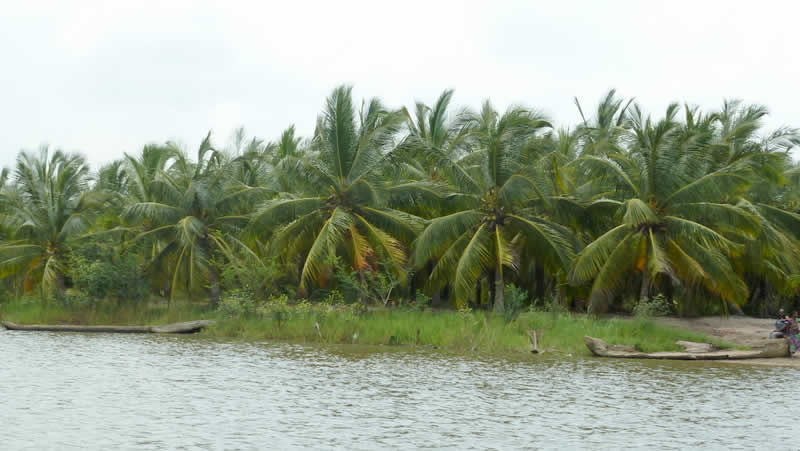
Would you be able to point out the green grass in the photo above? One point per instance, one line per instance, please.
(30, 311)
(453, 331)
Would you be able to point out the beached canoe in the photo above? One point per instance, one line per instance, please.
(694, 351)
(176, 328)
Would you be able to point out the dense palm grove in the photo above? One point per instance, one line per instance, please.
(455, 207)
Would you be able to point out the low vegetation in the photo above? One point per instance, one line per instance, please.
(458, 331)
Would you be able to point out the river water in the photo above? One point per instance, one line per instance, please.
(84, 391)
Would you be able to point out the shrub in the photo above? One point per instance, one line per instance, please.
(270, 279)
(101, 272)
(657, 305)
(237, 303)
(515, 299)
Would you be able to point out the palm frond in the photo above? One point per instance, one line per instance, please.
(328, 238)
(590, 261)
(440, 234)
(475, 260)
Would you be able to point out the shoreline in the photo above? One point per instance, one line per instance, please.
(740, 330)
(453, 331)
(459, 331)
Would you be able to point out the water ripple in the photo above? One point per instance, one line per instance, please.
(77, 391)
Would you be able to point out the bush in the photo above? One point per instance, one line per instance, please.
(369, 286)
(73, 300)
(101, 272)
(275, 308)
(658, 305)
(550, 304)
(515, 300)
(270, 279)
(237, 303)
(421, 301)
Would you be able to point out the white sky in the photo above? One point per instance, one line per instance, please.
(103, 79)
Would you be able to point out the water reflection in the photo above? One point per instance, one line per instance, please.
(64, 391)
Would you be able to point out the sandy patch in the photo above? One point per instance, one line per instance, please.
(742, 330)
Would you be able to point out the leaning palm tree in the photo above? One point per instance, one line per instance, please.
(491, 228)
(676, 220)
(341, 208)
(189, 220)
(48, 207)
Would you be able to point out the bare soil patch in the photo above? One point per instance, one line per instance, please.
(740, 330)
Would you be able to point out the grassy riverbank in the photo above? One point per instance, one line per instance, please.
(463, 331)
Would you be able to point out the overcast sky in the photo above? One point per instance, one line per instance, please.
(103, 79)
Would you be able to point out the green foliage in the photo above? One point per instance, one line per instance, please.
(417, 206)
(366, 287)
(101, 272)
(657, 305)
(421, 301)
(271, 278)
(237, 302)
(463, 331)
(73, 300)
(47, 206)
(515, 299)
(549, 304)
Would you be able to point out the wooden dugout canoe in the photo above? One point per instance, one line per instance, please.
(773, 349)
(176, 328)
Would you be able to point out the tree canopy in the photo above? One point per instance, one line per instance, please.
(701, 207)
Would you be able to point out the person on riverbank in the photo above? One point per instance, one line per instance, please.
(780, 325)
(792, 332)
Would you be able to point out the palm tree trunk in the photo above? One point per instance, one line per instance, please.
(214, 289)
(436, 296)
(645, 290)
(499, 307)
(490, 284)
(362, 298)
(60, 284)
(43, 296)
(538, 274)
(166, 289)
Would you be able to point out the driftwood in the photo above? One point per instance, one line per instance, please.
(176, 328)
(773, 348)
(534, 341)
(694, 347)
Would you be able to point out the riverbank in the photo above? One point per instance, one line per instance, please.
(742, 331)
(464, 331)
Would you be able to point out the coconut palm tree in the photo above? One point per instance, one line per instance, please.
(606, 131)
(675, 219)
(432, 148)
(342, 209)
(145, 169)
(491, 228)
(769, 262)
(187, 219)
(48, 206)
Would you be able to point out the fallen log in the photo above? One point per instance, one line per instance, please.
(176, 328)
(773, 348)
